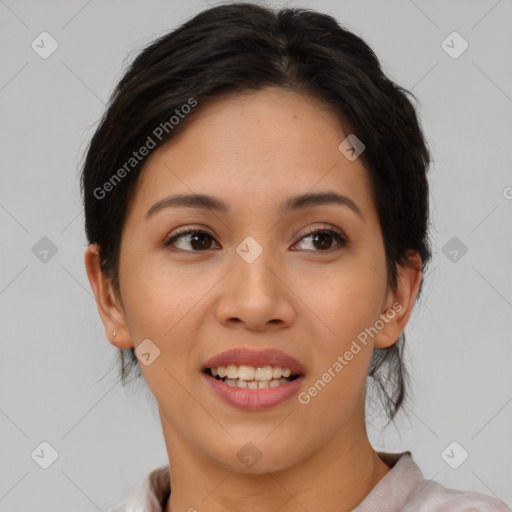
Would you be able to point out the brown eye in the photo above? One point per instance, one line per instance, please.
(199, 240)
(322, 239)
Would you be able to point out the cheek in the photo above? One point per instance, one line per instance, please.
(347, 304)
(344, 353)
(348, 297)
(158, 299)
(159, 304)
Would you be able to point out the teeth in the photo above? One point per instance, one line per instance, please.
(251, 373)
(246, 372)
(264, 373)
(232, 372)
(254, 384)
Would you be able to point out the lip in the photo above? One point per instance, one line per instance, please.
(254, 399)
(256, 358)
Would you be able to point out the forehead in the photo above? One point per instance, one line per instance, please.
(256, 147)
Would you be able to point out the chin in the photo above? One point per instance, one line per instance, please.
(254, 457)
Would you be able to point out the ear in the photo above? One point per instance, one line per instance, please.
(109, 308)
(398, 304)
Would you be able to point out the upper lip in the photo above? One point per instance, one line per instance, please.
(256, 358)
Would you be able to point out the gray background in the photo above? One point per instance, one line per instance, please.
(55, 384)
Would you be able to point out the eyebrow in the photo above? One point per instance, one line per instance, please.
(207, 202)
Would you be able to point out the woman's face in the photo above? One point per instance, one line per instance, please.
(262, 276)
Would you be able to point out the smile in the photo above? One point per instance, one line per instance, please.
(252, 377)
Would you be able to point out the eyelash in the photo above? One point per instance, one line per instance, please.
(342, 241)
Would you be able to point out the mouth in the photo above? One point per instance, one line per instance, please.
(252, 377)
(253, 380)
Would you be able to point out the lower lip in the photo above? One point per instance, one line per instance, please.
(254, 399)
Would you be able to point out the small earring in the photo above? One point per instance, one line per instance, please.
(114, 334)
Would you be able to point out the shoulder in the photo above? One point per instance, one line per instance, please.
(404, 488)
(150, 495)
(430, 495)
(435, 496)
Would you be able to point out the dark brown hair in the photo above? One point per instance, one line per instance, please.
(239, 47)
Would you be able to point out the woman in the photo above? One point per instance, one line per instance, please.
(256, 206)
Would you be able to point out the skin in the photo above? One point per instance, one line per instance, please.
(309, 299)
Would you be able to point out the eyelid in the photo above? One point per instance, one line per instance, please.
(343, 240)
(309, 231)
(324, 227)
(185, 230)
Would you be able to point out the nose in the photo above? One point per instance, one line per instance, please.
(256, 296)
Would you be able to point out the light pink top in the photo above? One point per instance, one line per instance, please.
(403, 489)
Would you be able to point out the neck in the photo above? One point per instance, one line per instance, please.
(337, 477)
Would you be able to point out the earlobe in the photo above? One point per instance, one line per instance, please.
(399, 303)
(112, 315)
